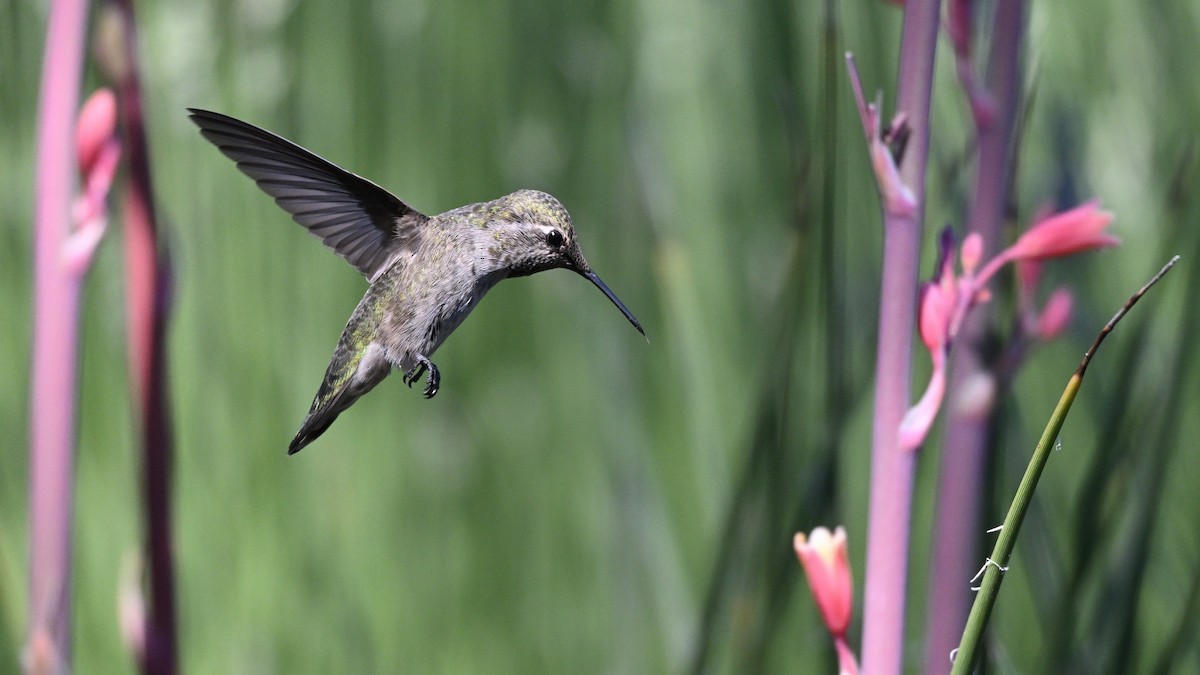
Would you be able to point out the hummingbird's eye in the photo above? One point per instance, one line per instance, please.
(554, 239)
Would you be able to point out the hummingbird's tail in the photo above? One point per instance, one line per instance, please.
(314, 425)
(349, 376)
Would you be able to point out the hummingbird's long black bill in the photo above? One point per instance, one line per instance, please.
(591, 276)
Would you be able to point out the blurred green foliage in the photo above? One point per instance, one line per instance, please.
(575, 499)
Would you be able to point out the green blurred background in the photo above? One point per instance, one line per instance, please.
(575, 499)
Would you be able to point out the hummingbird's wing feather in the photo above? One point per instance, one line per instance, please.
(362, 222)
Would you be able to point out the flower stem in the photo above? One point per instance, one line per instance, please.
(55, 348)
(993, 571)
(892, 470)
(966, 437)
(148, 288)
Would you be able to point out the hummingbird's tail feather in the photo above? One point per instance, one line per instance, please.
(350, 375)
(326, 406)
(309, 432)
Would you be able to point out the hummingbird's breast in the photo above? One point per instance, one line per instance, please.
(429, 295)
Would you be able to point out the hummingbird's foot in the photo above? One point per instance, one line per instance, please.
(414, 375)
(435, 378)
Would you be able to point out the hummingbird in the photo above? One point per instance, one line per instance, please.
(426, 273)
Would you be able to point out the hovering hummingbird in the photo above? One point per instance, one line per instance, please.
(426, 273)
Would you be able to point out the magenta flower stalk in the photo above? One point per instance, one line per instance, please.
(956, 533)
(892, 469)
(148, 293)
(945, 305)
(53, 394)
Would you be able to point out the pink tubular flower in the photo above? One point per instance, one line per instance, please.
(1055, 315)
(936, 309)
(940, 308)
(940, 297)
(97, 127)
(1080, 229)
(919, 419)
(99, 152)
(971, 253)
(823, 555)
(946, 299)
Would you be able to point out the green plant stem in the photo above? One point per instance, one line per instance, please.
(995, 566)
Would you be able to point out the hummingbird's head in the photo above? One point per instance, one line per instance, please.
(532, 233)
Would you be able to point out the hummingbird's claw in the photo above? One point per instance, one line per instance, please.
(431, 384)
(414, 375)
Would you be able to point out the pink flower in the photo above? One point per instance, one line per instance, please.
(946, 300)
(1055, 315)
(97, 126)
(1080, 229)
(971, 253)
(936, 309)
(827, 566)
(939, 311)
(823, 556)
(99, 152)
(939, 297)
(919, 419)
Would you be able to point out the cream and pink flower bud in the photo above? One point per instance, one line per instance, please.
(827, 566)
(971, 253)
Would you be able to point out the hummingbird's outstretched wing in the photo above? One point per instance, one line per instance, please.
(362, 222)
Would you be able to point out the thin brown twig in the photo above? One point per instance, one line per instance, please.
(1087, 356)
